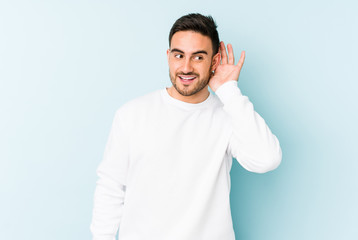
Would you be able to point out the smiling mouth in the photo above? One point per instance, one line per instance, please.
(187, 79)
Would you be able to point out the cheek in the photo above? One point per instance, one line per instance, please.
(174, 66)
(172, 69)
(204, 68)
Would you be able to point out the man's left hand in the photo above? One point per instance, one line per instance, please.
(227, 70)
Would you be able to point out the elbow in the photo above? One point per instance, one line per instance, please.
(271, 161)
(262, 163)
(260, 160)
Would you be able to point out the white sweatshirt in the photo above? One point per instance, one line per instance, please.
(165, 174)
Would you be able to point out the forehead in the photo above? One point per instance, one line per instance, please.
(190, 41)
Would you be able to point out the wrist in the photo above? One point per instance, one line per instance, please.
(227, 90)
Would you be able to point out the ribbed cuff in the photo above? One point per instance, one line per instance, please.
(228, 90)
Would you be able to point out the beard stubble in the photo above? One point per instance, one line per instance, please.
(199, 85)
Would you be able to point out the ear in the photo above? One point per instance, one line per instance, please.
(168, 52)
(216, 61)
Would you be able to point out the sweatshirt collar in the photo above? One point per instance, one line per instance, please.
(185, 105)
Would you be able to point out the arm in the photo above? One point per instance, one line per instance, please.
(110, 190)
(252, 143)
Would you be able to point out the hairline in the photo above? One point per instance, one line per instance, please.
(190, 30)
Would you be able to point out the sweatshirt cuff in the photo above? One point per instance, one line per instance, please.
(228, 90)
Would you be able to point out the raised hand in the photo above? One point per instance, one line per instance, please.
(226, 70)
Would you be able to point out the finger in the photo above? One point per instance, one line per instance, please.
(231, 54)
(223, 53)
(241, 60)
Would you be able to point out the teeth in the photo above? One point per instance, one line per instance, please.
(187, 78)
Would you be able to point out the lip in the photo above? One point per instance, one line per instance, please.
(187, 79)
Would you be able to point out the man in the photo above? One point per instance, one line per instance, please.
(165, 174)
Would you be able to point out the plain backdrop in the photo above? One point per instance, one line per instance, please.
(66, 66)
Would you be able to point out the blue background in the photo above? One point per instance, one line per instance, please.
(66, 66)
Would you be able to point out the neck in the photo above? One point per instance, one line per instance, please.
(198, 97)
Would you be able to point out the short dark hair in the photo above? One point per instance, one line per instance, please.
(197, 23)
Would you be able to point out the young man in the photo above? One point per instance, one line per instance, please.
(165, 174)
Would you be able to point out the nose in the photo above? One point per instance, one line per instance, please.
(187, 66)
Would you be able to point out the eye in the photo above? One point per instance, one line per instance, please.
(198, 58)
(178, 56)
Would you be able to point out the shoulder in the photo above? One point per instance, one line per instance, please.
(217, 104)
(139, 104)
(218, 108)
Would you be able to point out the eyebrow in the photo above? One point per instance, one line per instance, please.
(197, 52)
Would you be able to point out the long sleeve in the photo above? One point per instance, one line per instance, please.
(252, 142)
(110, 188)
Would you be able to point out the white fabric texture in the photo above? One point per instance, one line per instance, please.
(165, 173)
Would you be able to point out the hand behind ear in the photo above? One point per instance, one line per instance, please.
(226, 71)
